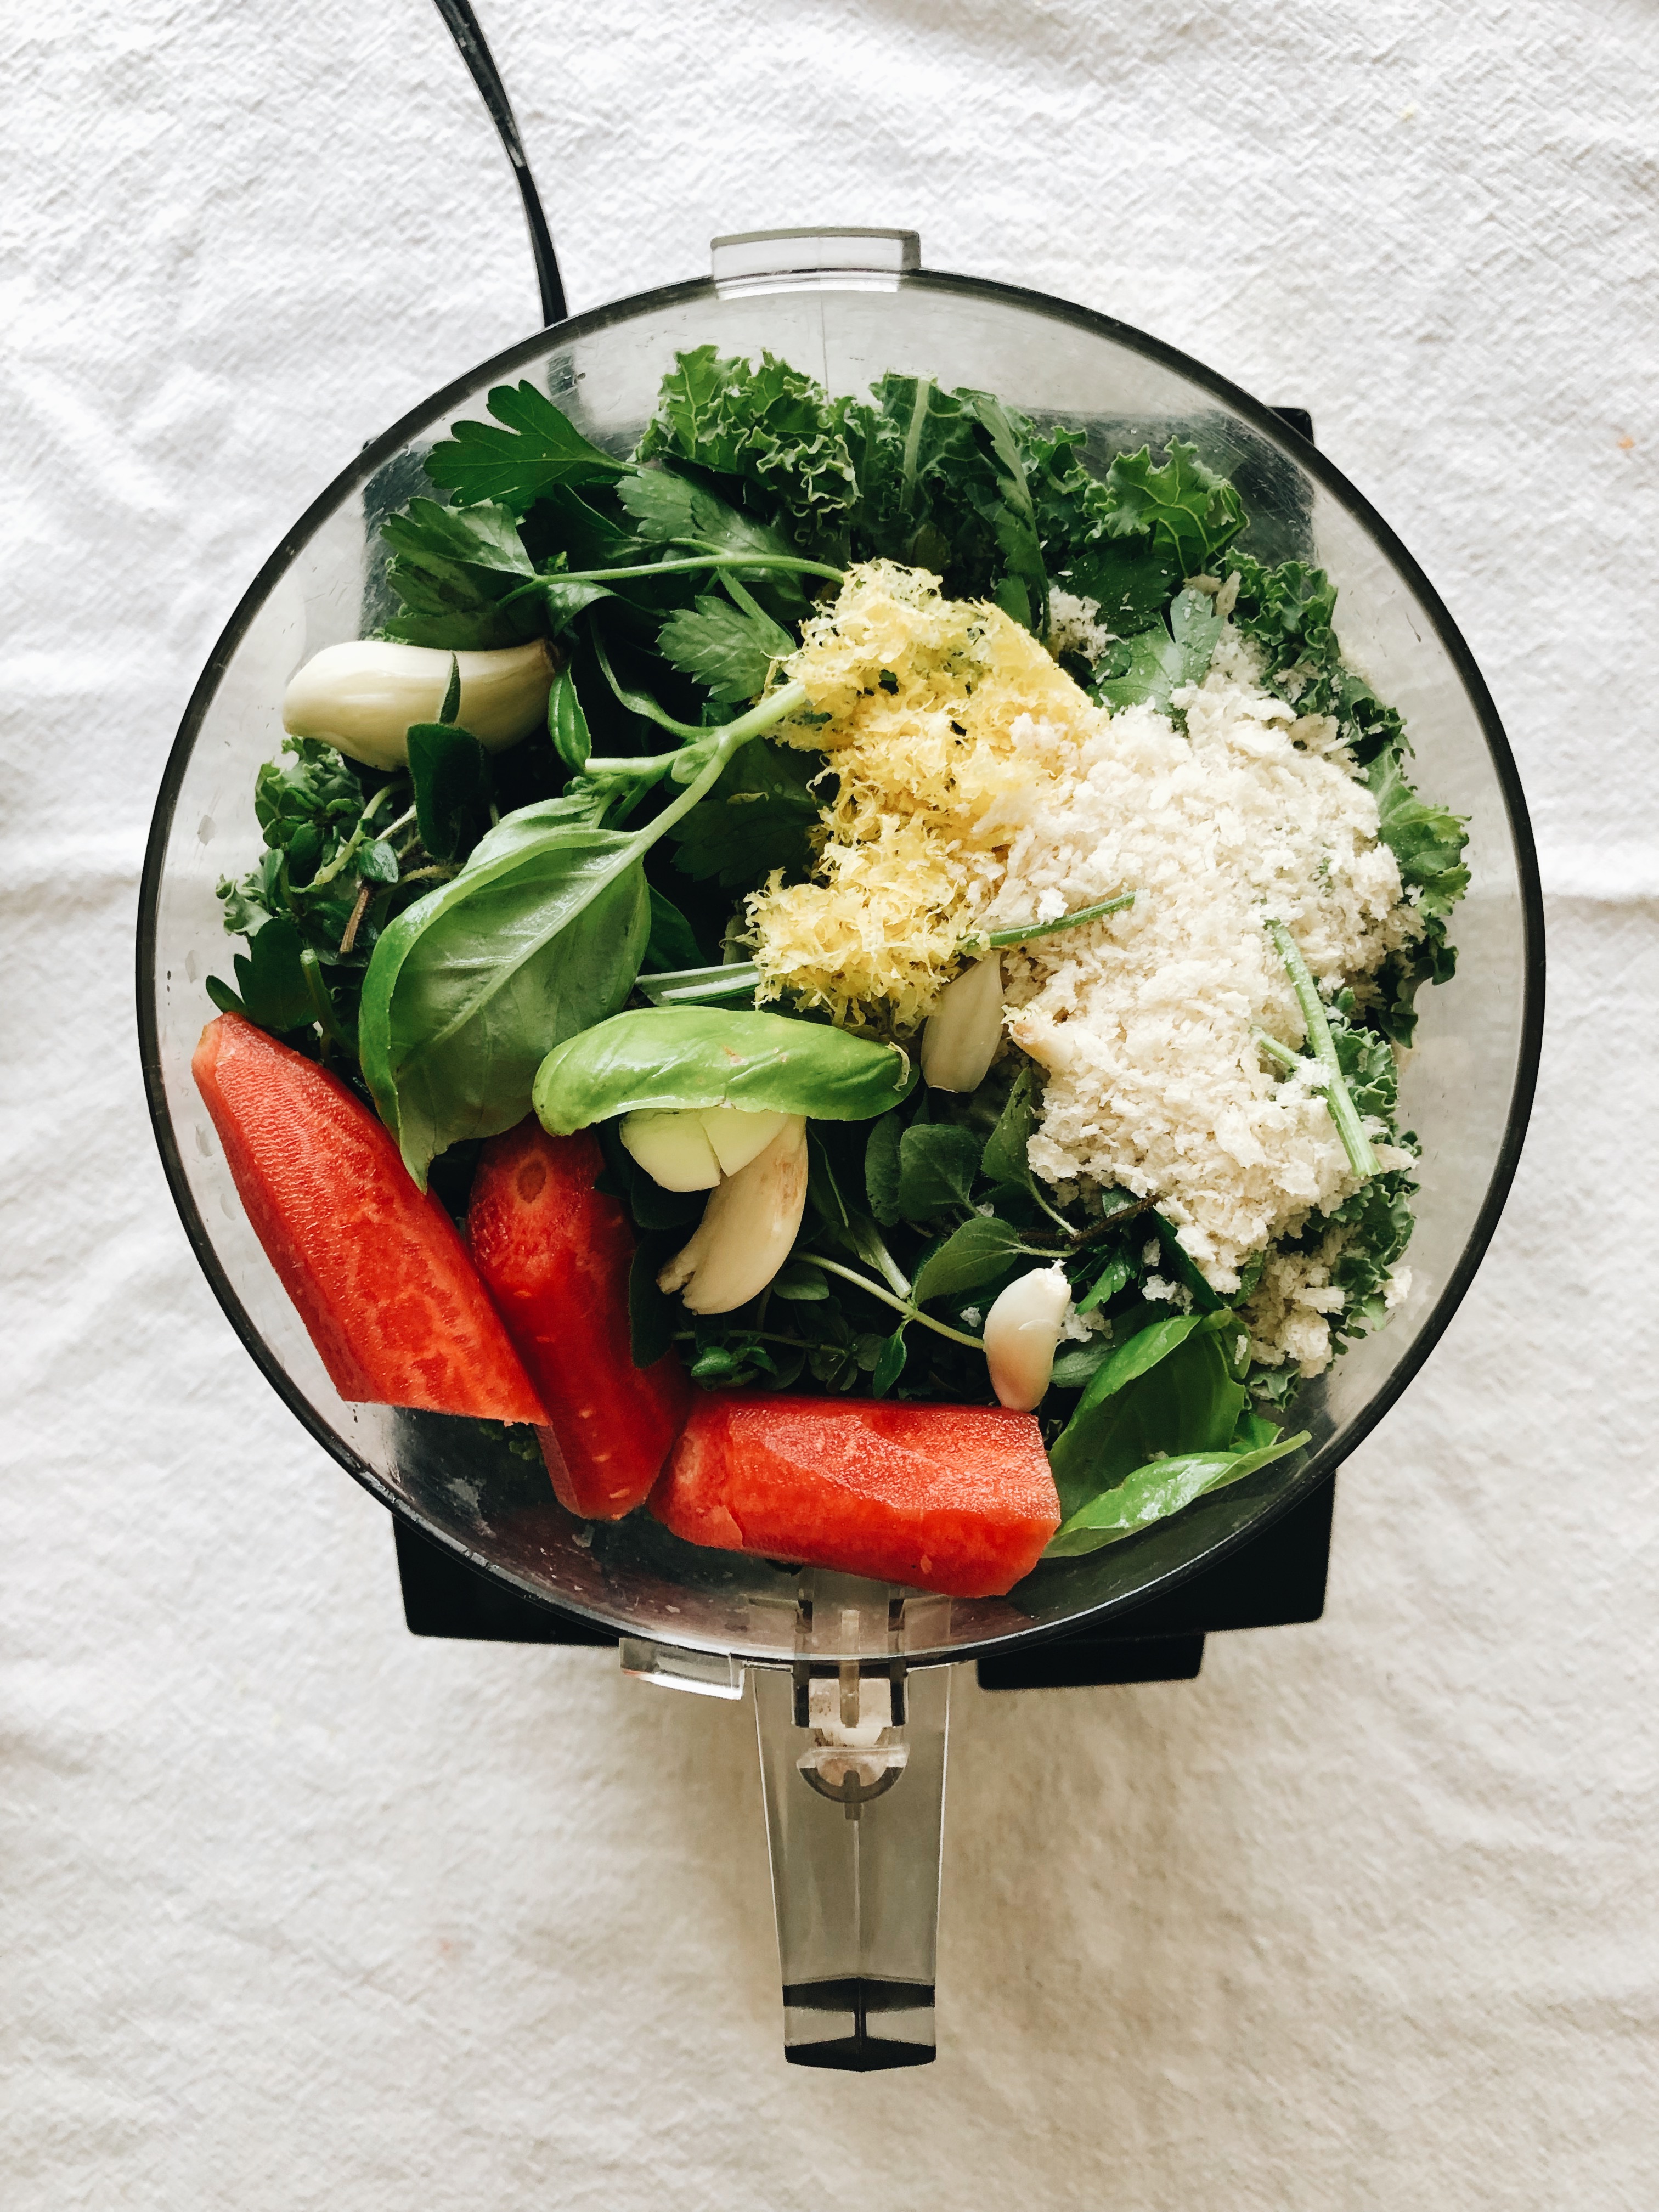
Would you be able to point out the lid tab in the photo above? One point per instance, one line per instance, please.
(805, 252)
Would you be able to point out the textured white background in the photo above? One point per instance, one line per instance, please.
(297, 1912)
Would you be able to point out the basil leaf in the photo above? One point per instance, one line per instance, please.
(539, 936)
(1005, 1158)
(801, 1283)
(937, 1165)
(697, 1056)
(974, 1254)
(881, 1170)
(889, 1365)
(1168, 1389)
(450, 771)
(567, 725)
(672, 948)
(1155, 1491)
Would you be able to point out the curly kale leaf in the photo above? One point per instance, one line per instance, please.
(1131, 578)
(1128, 539)
(1183, 505)
(771, 428)
(1289, 613)
(942, 484)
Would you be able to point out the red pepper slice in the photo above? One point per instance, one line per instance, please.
(954, 1499)
(376, 1268)
(555, 1253)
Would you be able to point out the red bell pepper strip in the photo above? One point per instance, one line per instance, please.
(376, 1268)
(954, 1499)
(555, 1253)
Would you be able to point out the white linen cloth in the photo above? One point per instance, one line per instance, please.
(298, 1911)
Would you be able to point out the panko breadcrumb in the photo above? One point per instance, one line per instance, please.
(979, 785)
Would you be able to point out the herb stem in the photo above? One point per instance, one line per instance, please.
(327, 875)
(1338, 1100)
(905, 1306)
(365, 892)
(1280, 1054)
(1024, 933)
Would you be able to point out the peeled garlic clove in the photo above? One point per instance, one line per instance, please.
(362, 698)
(963, 1030)
(747, 1228)
(673, 1149)
(738, 1135)
(1021, 1331)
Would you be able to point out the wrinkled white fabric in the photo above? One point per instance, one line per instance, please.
(298, 1911)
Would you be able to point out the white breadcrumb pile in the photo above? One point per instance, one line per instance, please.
(1145, 1023)
(979, 785)
(1286, 1312)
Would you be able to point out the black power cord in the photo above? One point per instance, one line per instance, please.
(475, 52)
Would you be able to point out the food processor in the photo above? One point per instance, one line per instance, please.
(850, 1679)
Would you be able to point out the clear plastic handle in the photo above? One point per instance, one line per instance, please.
(851, 1754)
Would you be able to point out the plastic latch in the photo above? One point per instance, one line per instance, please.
(804, 252)
(672, 1667)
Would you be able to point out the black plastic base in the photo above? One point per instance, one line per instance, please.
(854, 1998)
(1277, 1577)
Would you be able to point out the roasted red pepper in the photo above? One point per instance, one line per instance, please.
(377, 1270)
(555, 1253)
(955, 1499)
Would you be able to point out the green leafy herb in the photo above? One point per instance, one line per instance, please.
(538, 937)
(1169, 1388)
(1155, 1491)
(1148, 669)
(567, 725)
(1183, 505)
(760, 816)
(672, 943)
(771, 428)
(454, 787)
(701, 1056)
(537, 449)
(730, 649)
(969, 1259)
(937, 1167)
(270, 980)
